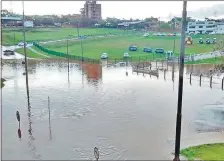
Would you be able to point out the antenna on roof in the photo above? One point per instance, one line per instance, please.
(11, 8)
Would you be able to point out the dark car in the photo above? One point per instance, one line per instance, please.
(159, 50)
(133, 48)
(9, 52)
(147, 50)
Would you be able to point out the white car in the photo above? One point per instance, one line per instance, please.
(22, 43)
(126, 55)
(146, 35)
(104, 56)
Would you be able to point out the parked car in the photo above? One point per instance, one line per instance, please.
(104, 56)
(146, 35)
(169, 54)
(169, 34)
(208, 41)
(158, 34)
(214, 40)
(22, 43)
(201, 41)
(133, 48)
(163, 34)
(8, 52)
(126, 55)
(159, 50)
(147, 50)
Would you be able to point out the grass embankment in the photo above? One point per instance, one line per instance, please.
(32, 54)
(116, 46)
(44, 34)
(217, 60)
(205, 152)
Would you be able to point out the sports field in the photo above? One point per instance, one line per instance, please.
(12, 36)
(96, 44)
(115, 46)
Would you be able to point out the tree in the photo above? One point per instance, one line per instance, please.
(219, 46)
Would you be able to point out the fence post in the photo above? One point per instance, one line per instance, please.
(200, 79)
(156, 63)
(211, 82)
(222, 82)
(96, 153)
(165, 74)
(190, 77)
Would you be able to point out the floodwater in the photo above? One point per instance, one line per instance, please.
(125, 117)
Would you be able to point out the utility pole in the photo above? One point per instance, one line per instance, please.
(174, 38)
(180, 88)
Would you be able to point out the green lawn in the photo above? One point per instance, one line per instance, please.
(43, 34)
(117, 45)
(205, 152)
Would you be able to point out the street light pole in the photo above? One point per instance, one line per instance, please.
(24, 47)
(180, 88)
(80, 40)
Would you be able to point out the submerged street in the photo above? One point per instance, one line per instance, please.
(125, 117)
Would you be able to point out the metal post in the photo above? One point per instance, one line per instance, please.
(24, 47)
(165, 74)
(180, 90)
(174, 37)
(222, 82)
(200, 79)
(190, 78)
(68, 56)
(211, 82)
(14, 38)
(80, 40)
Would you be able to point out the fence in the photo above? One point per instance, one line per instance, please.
(60, 54)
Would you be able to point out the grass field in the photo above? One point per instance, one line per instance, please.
(44, 34)
(205, 152)
(117, 45)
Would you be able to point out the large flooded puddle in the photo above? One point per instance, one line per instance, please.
(125, 117)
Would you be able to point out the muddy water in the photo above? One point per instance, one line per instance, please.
(126, 117)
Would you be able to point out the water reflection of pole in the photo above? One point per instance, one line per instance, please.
(49, 115)
(180, 88)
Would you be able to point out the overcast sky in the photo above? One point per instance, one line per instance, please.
(122, 9)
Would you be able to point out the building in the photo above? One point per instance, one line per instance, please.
(91, 10)
(203, 27)
(16, 21)
(220, 27)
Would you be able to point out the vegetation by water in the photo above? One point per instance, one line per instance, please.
(32, 54)
(2, 82)
(217, 60)
(205, 152)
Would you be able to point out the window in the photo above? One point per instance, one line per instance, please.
(210, 26)
(200, 22)
(200, 27)
(192, 27)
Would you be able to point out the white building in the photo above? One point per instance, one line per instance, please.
(201, 27)
(220, 27)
